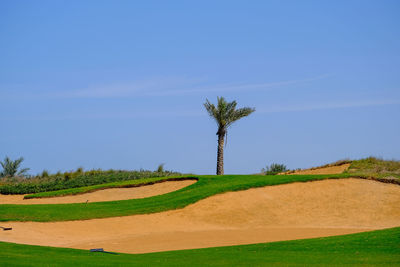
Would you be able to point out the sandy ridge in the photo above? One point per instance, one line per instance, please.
(110, 194)
(337, 169)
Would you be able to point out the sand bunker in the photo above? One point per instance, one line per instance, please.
(103, 195)
(283, 212)
(325, 170)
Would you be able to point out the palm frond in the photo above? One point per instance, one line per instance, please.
(23, 171)
(225, 113)
(11, 167)
(212, 110)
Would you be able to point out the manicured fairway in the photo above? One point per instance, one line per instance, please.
(205, 187)
(377, 248)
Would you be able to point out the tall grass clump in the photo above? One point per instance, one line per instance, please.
(274, 168)
(160, 168)
(45, 174)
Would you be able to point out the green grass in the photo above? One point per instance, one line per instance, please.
(205, 187)
(88, 189)
(377, 248)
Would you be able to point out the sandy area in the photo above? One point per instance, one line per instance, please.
(103, 195)
(282, 212)
(325, 170)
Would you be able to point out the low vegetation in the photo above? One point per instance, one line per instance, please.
(377, 248)
(274, 169)
(160, 168)
(376, 167)
(371, 167)
(73, 179)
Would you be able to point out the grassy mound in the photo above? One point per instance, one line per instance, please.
(370, 167)
(377, 248)
(205, 187)
(376, 167)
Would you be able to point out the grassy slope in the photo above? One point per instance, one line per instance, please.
(376, 167)
(205, 187)
(377, 248)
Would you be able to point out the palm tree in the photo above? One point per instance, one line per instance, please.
(10, 167)
(225, 113)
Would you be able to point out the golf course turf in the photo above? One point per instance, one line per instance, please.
(376, 248)
(381, 247)
(206, 186)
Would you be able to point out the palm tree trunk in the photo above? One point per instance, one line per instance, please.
(220, 155)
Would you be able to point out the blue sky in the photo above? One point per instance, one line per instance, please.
(121, 84)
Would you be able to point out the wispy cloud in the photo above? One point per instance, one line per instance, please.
(110, 115)
(331, 105)
(167, 114)
(232, 87)
(166, 87)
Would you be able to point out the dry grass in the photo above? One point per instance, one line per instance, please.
(371, 166)
(377, 167)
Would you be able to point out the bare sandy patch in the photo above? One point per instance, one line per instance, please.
(111, 194)
(273, 213)
(324, 170)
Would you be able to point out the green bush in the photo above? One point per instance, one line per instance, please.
(274, 168)
(44, 174)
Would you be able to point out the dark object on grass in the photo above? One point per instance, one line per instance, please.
(101, 250)
(6, 228)
(96, 250)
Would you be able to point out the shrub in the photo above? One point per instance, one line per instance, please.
(44, 174)
(274, 168)
(160, 168)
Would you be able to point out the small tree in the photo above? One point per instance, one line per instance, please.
(224, 113)
(11, 167)
(274, 168)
